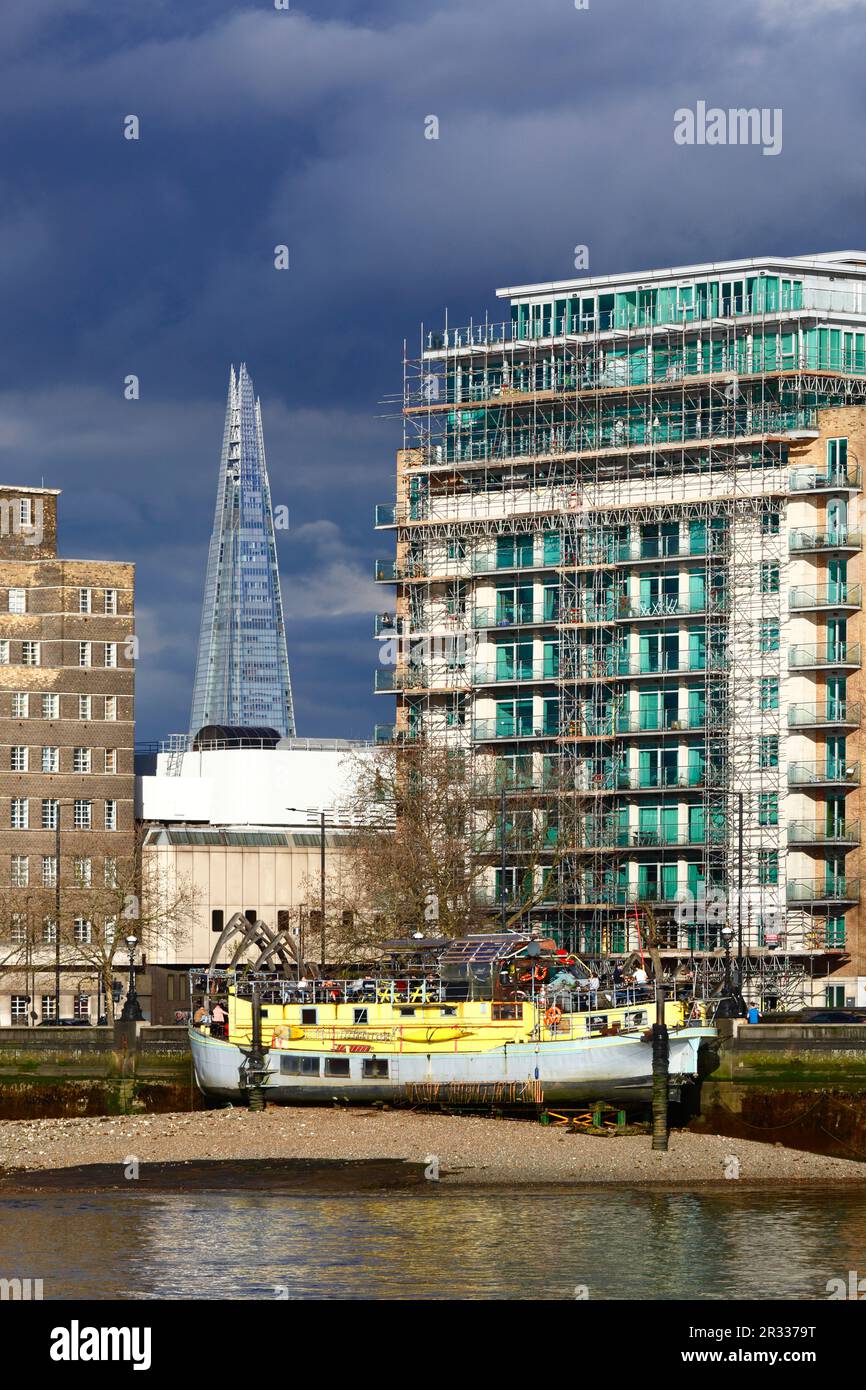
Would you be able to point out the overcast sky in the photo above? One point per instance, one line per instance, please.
(258, 127)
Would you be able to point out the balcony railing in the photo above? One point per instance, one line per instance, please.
(828, 480)
(485, 563)
(533, 671)
(595, 666)
(486, 729)
(840, 539)
(624, 610)
(839, 890)
(825, 596)
(530, 615)
(833, 713)
(830, 654)
(602, 838)
(385, 571)
(389, 679)
(643, 723)
(386, 514)
(824, 774)
(818, 832)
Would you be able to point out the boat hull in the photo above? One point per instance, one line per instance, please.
(599, 1068)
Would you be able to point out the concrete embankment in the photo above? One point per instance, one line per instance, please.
(798, 1084)
(94, 1071)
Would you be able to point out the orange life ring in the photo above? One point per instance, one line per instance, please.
(553, 1015)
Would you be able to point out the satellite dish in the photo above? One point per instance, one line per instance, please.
(533, 949)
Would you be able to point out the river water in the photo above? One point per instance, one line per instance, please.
(443, 1243)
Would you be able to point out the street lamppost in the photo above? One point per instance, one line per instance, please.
(728, 1006)
(132, 1008)
(334, 825)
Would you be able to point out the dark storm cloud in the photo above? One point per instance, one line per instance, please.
(258, 127)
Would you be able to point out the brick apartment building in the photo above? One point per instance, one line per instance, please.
(66, 758)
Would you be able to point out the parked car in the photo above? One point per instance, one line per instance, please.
(64, 1023)
(833, 1016)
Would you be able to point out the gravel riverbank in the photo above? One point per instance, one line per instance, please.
(469, 1150)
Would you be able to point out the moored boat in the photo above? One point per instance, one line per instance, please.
(504, 1020)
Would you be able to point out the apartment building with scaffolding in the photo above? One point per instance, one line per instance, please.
(628, 576)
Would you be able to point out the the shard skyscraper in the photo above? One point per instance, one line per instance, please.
(242, 672)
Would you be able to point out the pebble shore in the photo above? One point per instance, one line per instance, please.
(469, 1150)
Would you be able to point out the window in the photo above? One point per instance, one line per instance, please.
(18, 759)
(299, 1066)
(50, 759)
(111, 760)
(84, 600)
(49, 931)
(84, 654)
(84, 706)
(83, 931)
(20, 874)
(49, 1006)
(111, 601)
(30, 653)
(50, 812)
(20, 813)
(83, 870)
(111, 654)
(768, 866)
(770, 577)
(81, 760)
(770, 635)
(375, 1066)
(361, 1016)
(17, 600)
(770, 523)
(336, 1066)
(111, 707)
(111, 815)
(82, 814)
(4, 652)
(19, 1008)
(50, 706)
(19, 929)
(20, 705)
(81, 1006)
(768, 808)
(768, 750)
(308, 1016)
(769, 693)
(109, 873)
(109, 930)
(49, 871)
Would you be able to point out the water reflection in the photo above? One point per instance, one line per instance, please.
(630, 1244)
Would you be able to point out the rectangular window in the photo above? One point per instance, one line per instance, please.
(83, 931)
(81, 760)
(50, 812)
(109, 873)
(19, 1008)
(20, 813)
(768, 808)
(49, 931)
(20, 705)
(20, 874)
(4, 652)
(49, 871)
(84, 706)
(82, 1006)
(19, 929)
(111, 815)
(375, 1067)
(308, 1016)
(768, 750)
(49, 1006)
(84, 654)
(82, 817)
(361, 1016)
(111, 601)
(111, 760)
(769, 693)
(17, 600)
(83, 871)
(770, 577)
(769, 635)
(111, 707)
(299, 1066)
(18, 759)
(50, 706)
(50, 759)
(336, 1066)
(30, 654)
(111, 654)
(84, 601)
(770, 523)
(768, 867)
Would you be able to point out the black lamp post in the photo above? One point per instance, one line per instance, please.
(728, 1005)
(132, 1008)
